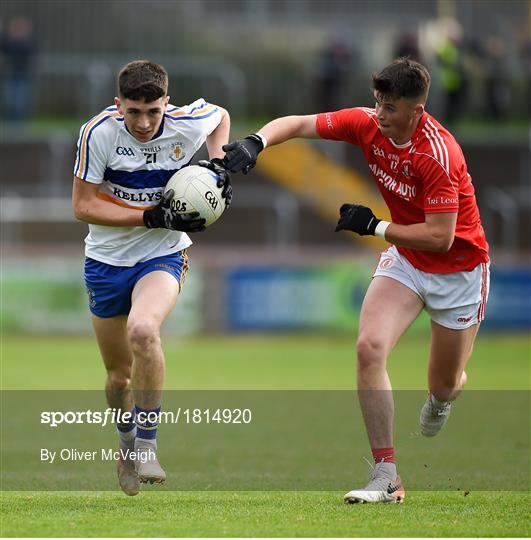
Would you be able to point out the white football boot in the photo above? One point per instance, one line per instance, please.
(147, 465)
(384, 486)
(433, 416)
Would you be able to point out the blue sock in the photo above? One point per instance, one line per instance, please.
(127, 430)
(124, 426)
(147, 422)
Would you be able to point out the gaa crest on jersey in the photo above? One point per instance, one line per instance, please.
(177, 151)
(405, 168)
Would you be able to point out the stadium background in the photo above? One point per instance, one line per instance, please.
(273, 295)
(273, 262)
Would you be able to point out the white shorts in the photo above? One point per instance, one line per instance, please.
(456, 300)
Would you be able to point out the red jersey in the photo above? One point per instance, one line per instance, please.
(427, 174)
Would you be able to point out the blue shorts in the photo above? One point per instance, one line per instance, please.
(109, 288)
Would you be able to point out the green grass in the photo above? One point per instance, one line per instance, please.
(309, 362)
(270, 514)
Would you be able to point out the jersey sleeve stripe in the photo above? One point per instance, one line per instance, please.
(82, 140)
(196, 117)
(371, 113)
(199, 107)
(83, 160)
(202, 103)
(202, 112)
(111, 199)
(445, 148)
(89, 135)
(196, 110)
(79, 146)
(431, 135)
(433, 149)
(444, 155)
(439, 153)
(441, 165)
(78, 155)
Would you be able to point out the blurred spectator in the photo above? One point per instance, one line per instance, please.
(525, 56)
(332, 76)
(407, 46)
(451, 73)
(18, 49)
(497, 94)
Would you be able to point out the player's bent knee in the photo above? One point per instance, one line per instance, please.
(143, 333)
(118, 380)
(371, 352)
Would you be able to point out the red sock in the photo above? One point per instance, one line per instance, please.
(387, 455)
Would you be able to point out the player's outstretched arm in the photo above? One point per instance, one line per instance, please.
(435, 234)
(88, 207)
(219, 136)
(214, 143)
(241, 155)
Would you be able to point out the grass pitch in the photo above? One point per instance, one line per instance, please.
(251, 362)
(270, 514)
(260, 363)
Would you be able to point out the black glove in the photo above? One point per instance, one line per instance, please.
(217, 167)
(164, 217)
(241, 154)
(358, 219)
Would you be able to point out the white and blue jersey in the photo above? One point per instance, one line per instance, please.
(133, 174)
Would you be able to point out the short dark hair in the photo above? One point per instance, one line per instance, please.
(402, 78)
(142, 80)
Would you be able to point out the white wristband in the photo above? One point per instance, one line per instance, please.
(381, 228)
(263, 139)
